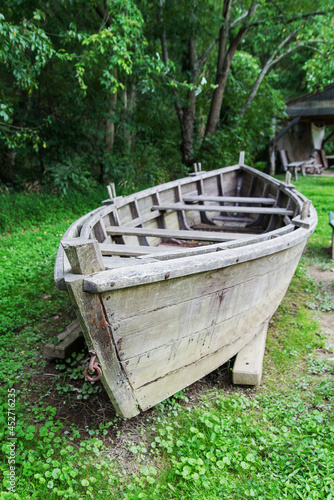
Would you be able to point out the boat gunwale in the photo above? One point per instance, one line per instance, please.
(93, 283)
(182, 266)
(121, 202)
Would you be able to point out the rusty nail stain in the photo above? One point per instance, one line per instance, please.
(167, 275)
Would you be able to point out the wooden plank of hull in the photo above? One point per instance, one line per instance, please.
(157, 363)
(224, 208)
(120, 305)
(217, 256)
(155, 392)
(138, 334)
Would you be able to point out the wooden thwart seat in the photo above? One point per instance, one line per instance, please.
(230, 199)
(225, 208)
(134, 250)
(198, 235)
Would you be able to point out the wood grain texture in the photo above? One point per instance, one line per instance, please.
(158, 363)
(230, 199)
(135, 250)
(151, 394)
(68, 341)
(247, 368)
(167, 233)
(193, 312)
(184, 266)
(84, 255)
(224, 209)
(98, 337)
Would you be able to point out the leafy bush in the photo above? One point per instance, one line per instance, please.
(70, 175)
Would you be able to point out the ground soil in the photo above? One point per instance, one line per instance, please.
(325, 281)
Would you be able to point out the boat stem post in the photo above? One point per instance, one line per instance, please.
(306, 209)
(111, 191)
(242, 158)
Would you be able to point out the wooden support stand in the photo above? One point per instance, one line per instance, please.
(247, 369)
(68, 341)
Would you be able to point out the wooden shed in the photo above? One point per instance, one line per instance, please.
(308, 127)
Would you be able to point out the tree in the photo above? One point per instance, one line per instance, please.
(63, 73)
(271, 30)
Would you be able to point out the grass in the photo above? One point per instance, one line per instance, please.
(210, 442)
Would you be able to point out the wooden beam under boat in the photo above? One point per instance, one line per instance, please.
(225, 208)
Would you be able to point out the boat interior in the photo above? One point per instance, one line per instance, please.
(227, 207)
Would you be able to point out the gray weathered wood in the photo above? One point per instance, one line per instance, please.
(98, 337)
(160, 321)
(230, 199)
(188, 314)
(247, 368)
(62, 265)
(306, 209)
(225, 208)
(68, 341)
(133, 250)
(299, 222)
(157, 271)
(198, 235)
(84, 255)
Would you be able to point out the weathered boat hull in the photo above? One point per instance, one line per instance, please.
(159, 326)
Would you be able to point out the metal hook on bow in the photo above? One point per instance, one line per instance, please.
(92, 368)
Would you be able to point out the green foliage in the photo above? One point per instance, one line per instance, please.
(237, 447)
(70, 176)
(25, 49)
(47, 463)
(97, 86)
(72, 370)
(319, 190)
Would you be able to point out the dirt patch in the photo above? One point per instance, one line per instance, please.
(328, 172)
(325, 282)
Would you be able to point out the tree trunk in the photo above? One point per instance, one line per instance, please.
(186, 114)
(129, 102)
(186, 118)
(110, 124)
(224, 61)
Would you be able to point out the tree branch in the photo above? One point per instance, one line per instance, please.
(103, 13)
(203, 57)
(273, 59)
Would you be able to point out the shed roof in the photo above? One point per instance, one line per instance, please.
(314, 106)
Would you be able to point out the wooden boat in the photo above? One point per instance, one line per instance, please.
(171, 282)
